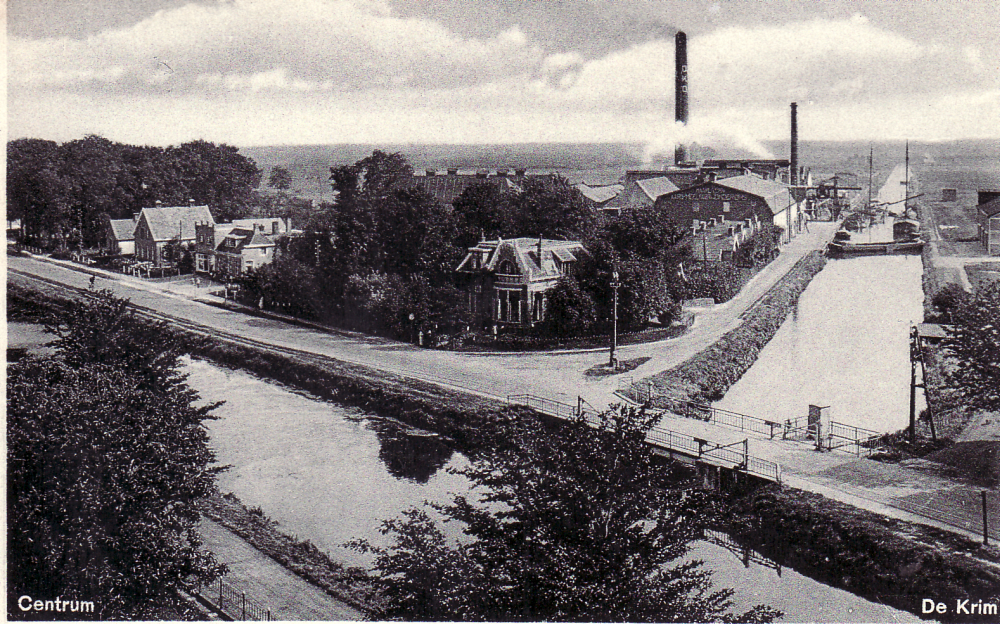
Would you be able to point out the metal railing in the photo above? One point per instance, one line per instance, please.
(838, 437)
(234, 602)
(718, 454)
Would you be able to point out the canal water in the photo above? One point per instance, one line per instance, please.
(846, 345)
(330, 475)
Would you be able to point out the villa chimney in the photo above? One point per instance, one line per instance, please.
(159, 203)
(135, 216)
(539, 250)
(794, 150)
(680, 90)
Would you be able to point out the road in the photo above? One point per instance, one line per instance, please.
(556, 375)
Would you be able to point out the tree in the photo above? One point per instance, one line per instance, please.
(974, 341)
(549, 207)
(569, 310)
(107, 455)
(642, 232)
(280, 179)
(574, 522)
(480, 210)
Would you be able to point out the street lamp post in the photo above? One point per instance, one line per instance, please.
(615, 285)
(413, 317)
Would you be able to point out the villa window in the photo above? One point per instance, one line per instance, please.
(725, 206)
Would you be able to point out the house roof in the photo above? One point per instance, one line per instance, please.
(244, 238)
(524, 252)
(776, 194)
(123, 229)
(163, 222)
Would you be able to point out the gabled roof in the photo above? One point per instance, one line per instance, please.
(776, 194)
(524, 252)
(164, 223)
(123, 229)
(654, 187)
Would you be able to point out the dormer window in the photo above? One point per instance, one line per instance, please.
(507, 268)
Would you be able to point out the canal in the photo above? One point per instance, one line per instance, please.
(846, 343)
(330, 474)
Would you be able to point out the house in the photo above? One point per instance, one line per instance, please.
(208, 237)
(119, 236)
(988, 213)
(735, 199)
(161, 232)
(272, 226)
(506, 280)
(718, 241)
(243, 249)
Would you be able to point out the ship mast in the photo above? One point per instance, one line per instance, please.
(871, 154)
(906, 193)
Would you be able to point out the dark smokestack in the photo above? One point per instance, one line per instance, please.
(680, 89)
(793, 166)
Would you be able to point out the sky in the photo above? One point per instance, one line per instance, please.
(285, 72)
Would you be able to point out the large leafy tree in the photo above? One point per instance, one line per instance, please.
(577, 522)
(974, 341)
(549, 207)
(107, 453)
(281, 179)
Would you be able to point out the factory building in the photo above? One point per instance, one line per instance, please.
(735, 200)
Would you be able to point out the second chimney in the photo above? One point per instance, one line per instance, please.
(794, 150)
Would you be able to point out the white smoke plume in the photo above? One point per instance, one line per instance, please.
(724, 138)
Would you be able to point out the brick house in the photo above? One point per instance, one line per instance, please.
(243, 249)
(161, 232)
(506, 280)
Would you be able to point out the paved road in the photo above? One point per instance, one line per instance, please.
(268, 583)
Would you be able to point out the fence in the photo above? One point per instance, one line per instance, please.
(234, 603)
(723, 455)
(839, 437)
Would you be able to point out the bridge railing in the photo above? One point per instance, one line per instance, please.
(723, 455)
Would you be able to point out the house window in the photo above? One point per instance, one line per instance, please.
(263, 251)
(507, 268)
(695, 207)
(725, 206)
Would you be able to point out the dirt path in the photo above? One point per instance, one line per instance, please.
(267, 583)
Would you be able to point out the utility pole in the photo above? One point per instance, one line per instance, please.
(906, 193)
(615, 285)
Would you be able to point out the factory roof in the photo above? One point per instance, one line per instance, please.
(776, 194)
(599, 194)
(990, 208)
(654, 187)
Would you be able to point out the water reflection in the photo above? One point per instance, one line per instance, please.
(409, 454)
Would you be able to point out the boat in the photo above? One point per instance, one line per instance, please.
(847, 248)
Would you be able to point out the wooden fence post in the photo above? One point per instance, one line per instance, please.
(244, 596)
(220, 593)
(986, 526)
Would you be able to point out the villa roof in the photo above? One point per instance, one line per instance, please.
(244, 238)
(488, 255)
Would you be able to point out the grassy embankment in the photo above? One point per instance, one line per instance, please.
(708, 375)
(881, 559)
(826, 539)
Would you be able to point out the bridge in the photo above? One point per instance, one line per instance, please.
(690, 449)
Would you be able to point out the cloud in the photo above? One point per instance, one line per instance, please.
(340, 44)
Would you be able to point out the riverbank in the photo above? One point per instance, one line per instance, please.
(457, 415)
(708, 375)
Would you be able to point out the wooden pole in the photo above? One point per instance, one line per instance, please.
(986, 529)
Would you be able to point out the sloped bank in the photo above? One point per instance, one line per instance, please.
(708, 375)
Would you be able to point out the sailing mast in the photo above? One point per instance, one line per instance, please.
(906, 193)
(871, 154)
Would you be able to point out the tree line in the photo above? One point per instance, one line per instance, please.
(63, 192)
(385, 250)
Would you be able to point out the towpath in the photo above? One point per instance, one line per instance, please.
(268, 583)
